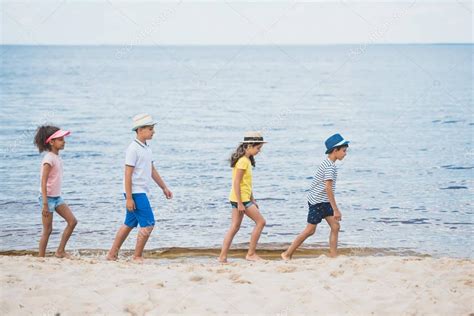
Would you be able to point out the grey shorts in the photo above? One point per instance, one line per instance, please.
(246, 204)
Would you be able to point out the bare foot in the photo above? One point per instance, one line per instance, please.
(111, 258)
(285, 257)
(139, 260)
(253, 257)
(332, 255)
(62, 255)
(222, 260)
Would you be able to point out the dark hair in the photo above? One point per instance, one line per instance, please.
(42, 134)
(337, 148)
(240, 152)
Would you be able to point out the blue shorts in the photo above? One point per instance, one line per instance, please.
(246, 204)
(53, 202)
(142, 215)
(319, 211)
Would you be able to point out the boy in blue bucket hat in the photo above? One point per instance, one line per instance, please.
(321, 200)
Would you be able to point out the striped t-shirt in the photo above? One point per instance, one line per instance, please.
(317, 192)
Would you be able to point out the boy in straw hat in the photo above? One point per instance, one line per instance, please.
(321, 200)
(139, 173)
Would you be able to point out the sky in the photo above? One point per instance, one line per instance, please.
(111, 22)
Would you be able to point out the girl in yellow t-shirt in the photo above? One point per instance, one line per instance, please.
(241, 195)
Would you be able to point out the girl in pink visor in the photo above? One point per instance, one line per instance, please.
(51, 140)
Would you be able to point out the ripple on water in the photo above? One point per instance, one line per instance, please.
(271, 199)
(363, 170)
(458, 223)
(453, 167)
(454, 187)
(450, 122)
(391, 220)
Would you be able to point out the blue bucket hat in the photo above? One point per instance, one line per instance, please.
(334, 141)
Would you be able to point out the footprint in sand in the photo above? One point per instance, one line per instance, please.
(35, 267)
(286, 269)
(236, 279)
(11, 279)
(196, 278)
(335, 274)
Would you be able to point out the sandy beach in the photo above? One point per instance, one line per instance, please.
(347, 285)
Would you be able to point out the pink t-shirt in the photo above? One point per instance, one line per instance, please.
(55, 178)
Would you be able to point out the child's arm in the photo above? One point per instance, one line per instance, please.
(161, 183)
(332, 200)
(130, 204)
(238, 178)
(44, 180)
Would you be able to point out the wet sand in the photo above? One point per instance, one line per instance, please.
(266, 251)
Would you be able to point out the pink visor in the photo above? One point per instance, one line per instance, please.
(57, 134)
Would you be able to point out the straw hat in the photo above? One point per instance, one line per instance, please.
(141, 120)
(253, 137)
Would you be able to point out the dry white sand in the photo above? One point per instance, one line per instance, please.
(320, 286)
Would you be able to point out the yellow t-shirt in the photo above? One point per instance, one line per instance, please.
(246, 184)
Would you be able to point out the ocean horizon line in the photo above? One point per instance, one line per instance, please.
(236, 45)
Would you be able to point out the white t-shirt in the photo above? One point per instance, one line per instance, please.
(327, 171)
(139, 156)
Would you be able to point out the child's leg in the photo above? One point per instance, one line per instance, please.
(234, 228)
(260, 222)
(308, 231)
(335, 226)
(143, 235)
(65, 212)
(122, 234)
(47, 229)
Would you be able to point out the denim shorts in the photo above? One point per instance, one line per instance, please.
(53, 202)
(246, 204)
(319, 211)
(142, 215)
